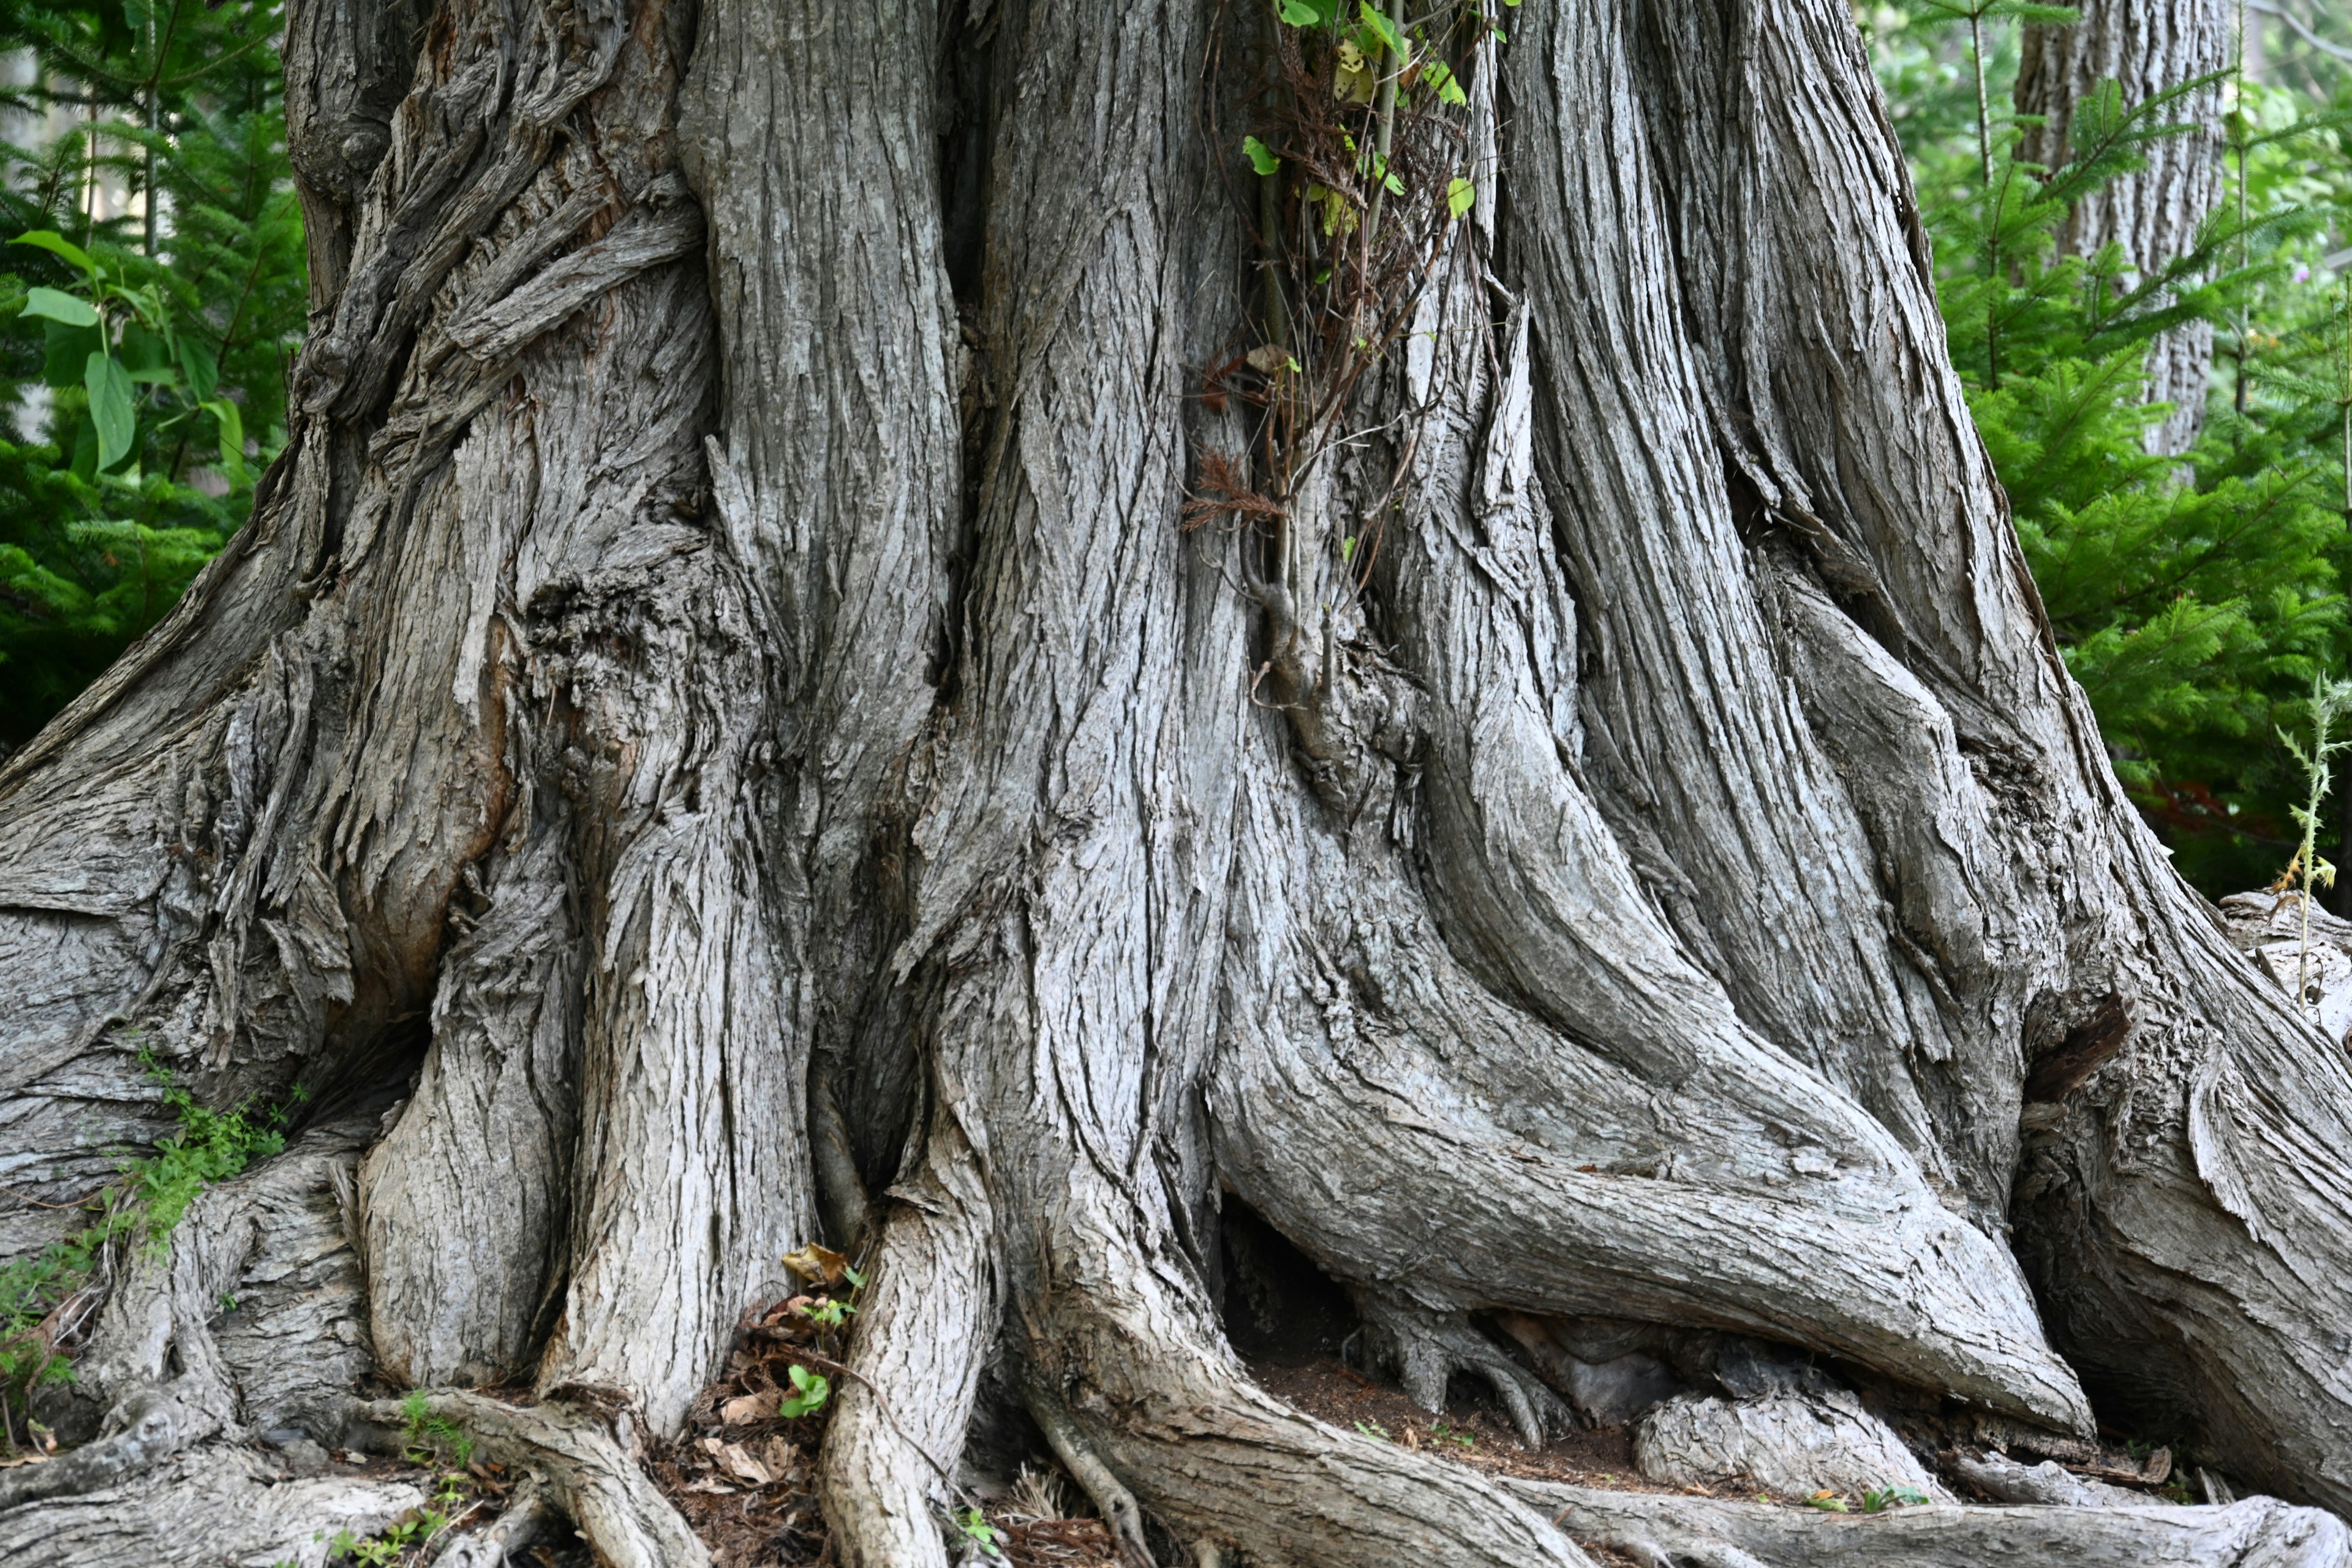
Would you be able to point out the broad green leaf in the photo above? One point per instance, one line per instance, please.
(1377, 23)
(1261, 156)
(232, 436)
(1459, 195)
(65, 350)
(60, 307)
(1440, 74)
(1298, 13)
(140, 349)
(56, 244)
(196, 363)
(111, 407)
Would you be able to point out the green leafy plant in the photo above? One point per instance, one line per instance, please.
(433, 1439)
(1874, 1500)
(2329, 701)
(826, 1314)
(972, 1527)
(46, 1298)
(393, 1545)
(1439, 1432)
(164, 238)
(810, 1391)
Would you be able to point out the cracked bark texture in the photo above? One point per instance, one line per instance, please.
(715, 739)
(2153, 213)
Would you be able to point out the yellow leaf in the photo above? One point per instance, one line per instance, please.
(818, 1264)
(1353, 81)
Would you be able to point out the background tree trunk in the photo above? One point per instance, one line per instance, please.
(2153, 214)
(718, 735)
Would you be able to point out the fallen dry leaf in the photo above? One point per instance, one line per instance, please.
(736, 1459)
(818, 1264)
(759, 1407)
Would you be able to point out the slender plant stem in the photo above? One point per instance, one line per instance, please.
(1383, 128)
(1991, 197)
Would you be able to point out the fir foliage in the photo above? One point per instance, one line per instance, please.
(2196, 598)
(168, 115)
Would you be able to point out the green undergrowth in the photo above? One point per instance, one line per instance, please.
(2196, 596)
(44, 1297)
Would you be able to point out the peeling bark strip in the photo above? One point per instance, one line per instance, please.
(717, 735)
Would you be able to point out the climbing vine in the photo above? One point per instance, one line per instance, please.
(1357, 162)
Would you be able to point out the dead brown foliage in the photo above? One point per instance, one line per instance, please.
(742, 1473)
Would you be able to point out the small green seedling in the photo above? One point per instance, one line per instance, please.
(972, 1526)
(810, 1391)
(827, 1313)
(432, 1437)
(1439, 1432)
(1875, 1500)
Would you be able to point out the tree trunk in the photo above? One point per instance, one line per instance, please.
(719, 735)
(2154, 213)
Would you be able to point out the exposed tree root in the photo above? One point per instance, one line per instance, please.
(2005, 1480)
(1110, 1495)
(1705, 1533)
(1789, 1442)
(530, 1515)
(169, 1363)
(141, 1431)
(923, 1330)
(199, 1509)
(1425, 1348)
(1350, 1115)
(586, 1469)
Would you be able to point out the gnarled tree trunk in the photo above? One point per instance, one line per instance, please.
(2154, 213)
(717, 722)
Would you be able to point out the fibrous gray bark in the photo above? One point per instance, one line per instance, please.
(2153, 214)
(719, 723)
(1669, 1532)
(1794, 1444)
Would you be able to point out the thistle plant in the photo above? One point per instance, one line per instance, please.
(2329, 701)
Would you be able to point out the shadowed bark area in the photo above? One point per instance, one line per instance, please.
(718, 724)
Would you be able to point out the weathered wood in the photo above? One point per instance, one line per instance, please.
(205, 1507)
(1793, 1444)
(1670, 1532)
(586, 1467)
(719, 710)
